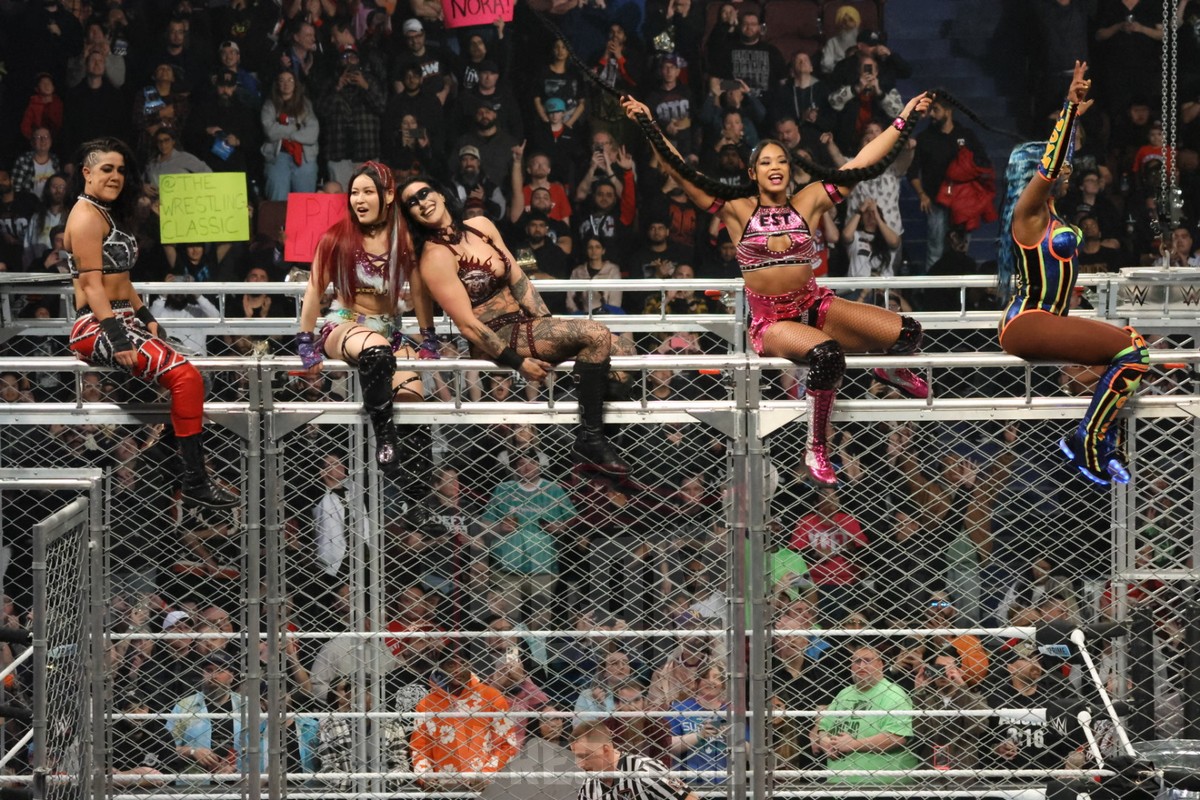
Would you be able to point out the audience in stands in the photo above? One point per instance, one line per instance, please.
(334, 83)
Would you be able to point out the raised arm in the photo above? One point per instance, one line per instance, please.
(883, 143)
(633, 109)
(1031, 213)
(517, 184)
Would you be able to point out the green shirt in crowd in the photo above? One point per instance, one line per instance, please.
(528, 550)
(883, 696)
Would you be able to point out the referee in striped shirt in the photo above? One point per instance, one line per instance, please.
(644, 778)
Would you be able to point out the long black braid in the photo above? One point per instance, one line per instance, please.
(838, 177)
(944, 97)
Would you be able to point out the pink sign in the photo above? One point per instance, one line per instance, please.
(460, 13)
(309, 214)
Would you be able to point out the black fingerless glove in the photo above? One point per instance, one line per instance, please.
(146, 317)
(510, 358)
(114, 331)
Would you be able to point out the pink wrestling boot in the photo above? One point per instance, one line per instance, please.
(903, 379)
(816, 457)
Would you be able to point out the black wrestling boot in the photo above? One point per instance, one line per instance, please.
(416, 457)
(199, 491)
(591, 446)
(376, 369)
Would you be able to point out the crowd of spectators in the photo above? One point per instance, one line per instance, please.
(293, 94)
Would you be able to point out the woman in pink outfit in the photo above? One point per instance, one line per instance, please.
(791, 316)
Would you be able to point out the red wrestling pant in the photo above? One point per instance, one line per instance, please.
(808, 305)
(157, 362)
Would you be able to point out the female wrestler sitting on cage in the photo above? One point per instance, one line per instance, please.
(368, 256)
(114, 328)
(793, 317)
(469, 270)
(1041, 254)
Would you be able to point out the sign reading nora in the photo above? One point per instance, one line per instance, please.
(460, 13)
(203, 207)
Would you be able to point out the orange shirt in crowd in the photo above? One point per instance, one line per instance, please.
(463, 743)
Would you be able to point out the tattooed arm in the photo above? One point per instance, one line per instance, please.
(439, 272)
(519, 284)
(524, 293)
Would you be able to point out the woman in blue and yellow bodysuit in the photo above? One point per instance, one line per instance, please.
(1040, 255)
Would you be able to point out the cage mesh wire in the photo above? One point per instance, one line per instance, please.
(68, 694)
(573, 597)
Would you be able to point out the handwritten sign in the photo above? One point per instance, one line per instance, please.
(204, 207)
(309, 214)
(460, 13)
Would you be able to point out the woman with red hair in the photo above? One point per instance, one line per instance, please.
(367, 257)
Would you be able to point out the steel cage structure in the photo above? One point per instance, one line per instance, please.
(987, 410)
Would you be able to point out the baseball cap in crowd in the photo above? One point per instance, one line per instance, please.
(219, 659)
(227, 77)
(872, 37)
(536, 215)
(413, 26)
(468, 150)
(229, 43)
(1018, 649)
(554, 104)
(487, 65)
(174, 618)
(672, 58)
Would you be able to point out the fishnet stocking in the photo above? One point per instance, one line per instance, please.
(557, 340)
(857, 327)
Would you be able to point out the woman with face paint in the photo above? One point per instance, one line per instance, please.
(791, 316)
(471, 273)
(114, 328)
(367, 257)
(1041, 256)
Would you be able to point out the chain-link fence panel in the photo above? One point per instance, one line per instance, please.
(49, 631)
(450, 629)
(962, 612)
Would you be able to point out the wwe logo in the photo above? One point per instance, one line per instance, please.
(1191, 295)
(1137, 295)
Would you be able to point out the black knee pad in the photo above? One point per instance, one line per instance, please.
(909, 340)
(826, 365)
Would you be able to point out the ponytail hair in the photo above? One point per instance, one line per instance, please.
(945, 98)
(338, 245)
(1022, 165)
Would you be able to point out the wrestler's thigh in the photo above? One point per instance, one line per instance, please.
(349, 339)
(559, 339)
(861, 328)
(1041, 336)
(407, 382)
(790, 339)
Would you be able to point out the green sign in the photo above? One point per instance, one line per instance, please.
(203, 207)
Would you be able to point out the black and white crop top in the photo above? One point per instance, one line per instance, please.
(120, 249)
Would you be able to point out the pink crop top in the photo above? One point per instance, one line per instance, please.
(767, 221)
